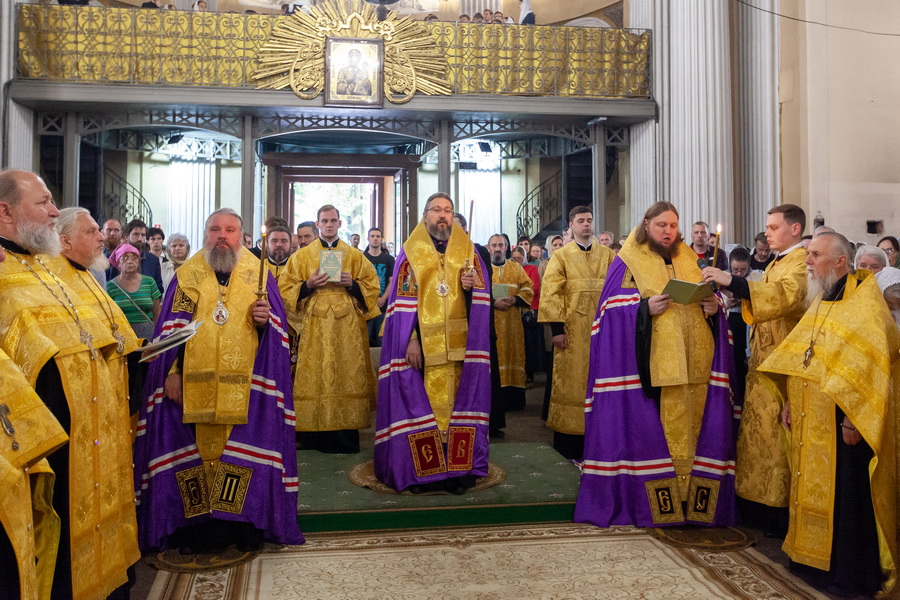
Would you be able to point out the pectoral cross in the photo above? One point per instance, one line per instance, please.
(807, 356)
(7, 425)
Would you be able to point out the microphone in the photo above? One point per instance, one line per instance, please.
(703, 263)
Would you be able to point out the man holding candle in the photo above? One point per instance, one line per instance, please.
(215, 461)
(772, 306)
(330, 291)
(658, 429)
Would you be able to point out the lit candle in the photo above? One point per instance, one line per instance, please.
(262, 264)
(718, 243)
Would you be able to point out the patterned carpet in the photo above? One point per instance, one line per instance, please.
(563, 561)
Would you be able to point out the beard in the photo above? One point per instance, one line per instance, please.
(39, 239)
(818, 286)
(498, 259)
(666, 253)
(111, 244)
(438, 233)
(278, 256)
(101, 263)
(221, 259)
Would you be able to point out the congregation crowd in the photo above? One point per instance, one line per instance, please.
(763, 396)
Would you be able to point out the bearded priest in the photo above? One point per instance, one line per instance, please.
(215, 462)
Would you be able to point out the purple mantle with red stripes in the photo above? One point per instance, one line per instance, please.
(628, 477)
(259, 463)
(408, 447)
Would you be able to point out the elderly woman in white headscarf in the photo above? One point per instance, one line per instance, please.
(872, 258)
(177, 251)
(889, 281)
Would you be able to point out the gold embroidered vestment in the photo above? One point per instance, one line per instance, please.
(776, 304)
(36, 328)
(681, 350)
(508, 323)
(334, 385)
(570, 292)
(855, 367)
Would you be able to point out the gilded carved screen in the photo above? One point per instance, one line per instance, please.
(110, 45)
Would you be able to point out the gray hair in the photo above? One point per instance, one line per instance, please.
(180, 237)
(65, 222)
(873, 251)
(222, 211)
(841, 247)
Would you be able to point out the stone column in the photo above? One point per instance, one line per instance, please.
(598, 157)
(690, 148)
(71, 159)
(19, 143)
(757, 61)
(248, 177)
(445, 158)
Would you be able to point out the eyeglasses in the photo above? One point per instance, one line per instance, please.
(889, 250)
(438, 211)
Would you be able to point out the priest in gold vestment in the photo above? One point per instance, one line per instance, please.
(840, 366)
(60, 345)
(82, 251)
(570, 290)
(334, 389)
(772, 306)
(519, 293)
(29, 527)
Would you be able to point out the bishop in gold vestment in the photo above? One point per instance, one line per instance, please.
(60, 345)
(570, 290)
(510, 277)
(334, 387)
(840, 367)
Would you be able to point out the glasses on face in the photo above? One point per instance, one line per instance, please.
(740, 272)
(128, 258)
(889, 250)
(438, 211)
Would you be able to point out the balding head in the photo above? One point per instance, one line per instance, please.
(27, 213)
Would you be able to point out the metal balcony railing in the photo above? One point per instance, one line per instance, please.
(122, 201)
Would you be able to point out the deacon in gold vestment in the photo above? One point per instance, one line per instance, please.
(508, 322)
(334, 388)
(772, 306)
(570, 291)
(29, 527)
(840, 366)
(61, 345)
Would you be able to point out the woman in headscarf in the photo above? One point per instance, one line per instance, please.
(137, 295)
(177, 251)
(889, 281)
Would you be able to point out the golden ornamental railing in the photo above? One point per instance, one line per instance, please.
(161, 47)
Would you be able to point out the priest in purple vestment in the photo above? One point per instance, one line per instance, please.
(434, 383)
(215, 461)
(658, 437)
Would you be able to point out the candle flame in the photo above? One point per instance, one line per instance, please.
(718, 228)
(263, 230)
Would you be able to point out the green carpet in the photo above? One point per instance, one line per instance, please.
(540, 487)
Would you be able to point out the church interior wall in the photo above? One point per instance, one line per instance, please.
(513, 189)
(840, 128)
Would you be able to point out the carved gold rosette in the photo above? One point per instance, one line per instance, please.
(294, 55)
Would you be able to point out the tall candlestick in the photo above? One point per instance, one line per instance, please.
(471, 209)
(263, 257)
(718, 243)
